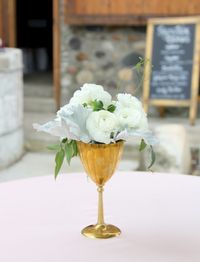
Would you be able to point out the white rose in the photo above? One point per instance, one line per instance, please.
(89, 93)
(127, 100)
(101, 124)
(132, 118)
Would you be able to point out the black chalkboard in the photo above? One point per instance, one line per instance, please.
(172, 76)
(172, 60)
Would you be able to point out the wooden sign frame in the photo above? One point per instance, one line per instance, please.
(193, 101)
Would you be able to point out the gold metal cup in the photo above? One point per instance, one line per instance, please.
(100, 162)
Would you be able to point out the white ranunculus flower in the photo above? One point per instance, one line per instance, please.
(127, 100)
(101, 124)
(132, 118)
(89, 93)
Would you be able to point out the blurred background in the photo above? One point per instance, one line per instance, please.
(50, 48)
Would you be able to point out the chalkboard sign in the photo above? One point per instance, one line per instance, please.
(173, 51)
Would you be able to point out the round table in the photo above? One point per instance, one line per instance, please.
(158, 214)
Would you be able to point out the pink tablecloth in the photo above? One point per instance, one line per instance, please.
(159, 215)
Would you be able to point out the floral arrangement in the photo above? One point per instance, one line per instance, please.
(91, 116)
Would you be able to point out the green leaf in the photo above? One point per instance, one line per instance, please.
(59, 161)
(142, 145)
(97, 105)
(75, 148)
(54, 147)
(64, 140)
(69, 151)
(111, 108)
(153, 157)
(140, 64)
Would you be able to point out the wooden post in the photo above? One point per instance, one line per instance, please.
(56, 52)
(11, 11)
(147, 72)
(1, 19)
(195, 78)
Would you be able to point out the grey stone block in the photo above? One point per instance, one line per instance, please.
(11, 147)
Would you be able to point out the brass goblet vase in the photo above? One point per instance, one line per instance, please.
(100, 162)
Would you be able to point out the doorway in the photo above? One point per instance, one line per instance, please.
(34, 26)
(34, 36)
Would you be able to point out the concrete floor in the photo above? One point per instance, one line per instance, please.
(42, 164)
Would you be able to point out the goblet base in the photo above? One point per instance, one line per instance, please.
(101, 231)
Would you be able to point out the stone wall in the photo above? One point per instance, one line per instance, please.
(101, 55)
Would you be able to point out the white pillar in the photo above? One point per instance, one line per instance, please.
(11, 106)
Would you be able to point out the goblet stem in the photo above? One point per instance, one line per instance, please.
(100, 229)
(100, 220)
